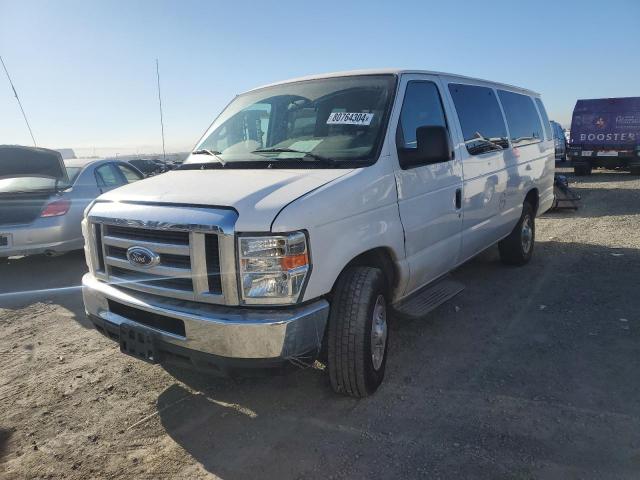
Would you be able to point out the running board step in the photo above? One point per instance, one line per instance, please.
(429, 298)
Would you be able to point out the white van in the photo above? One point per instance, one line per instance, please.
(310, 211)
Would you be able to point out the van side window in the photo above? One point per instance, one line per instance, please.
(480, 117)
(522, 118)
(545, 118)
(422, 107)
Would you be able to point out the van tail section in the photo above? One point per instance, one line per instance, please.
(606, 133)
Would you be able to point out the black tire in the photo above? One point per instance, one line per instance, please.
(582, 170)
(634, 170)
(350, 361)
(517, 248)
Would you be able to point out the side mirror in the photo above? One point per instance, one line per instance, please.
(433, 144)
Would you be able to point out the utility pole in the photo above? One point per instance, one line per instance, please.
(164, 154)
(19, 103)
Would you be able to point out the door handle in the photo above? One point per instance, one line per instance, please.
(458, 198)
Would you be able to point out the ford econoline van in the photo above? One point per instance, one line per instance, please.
(313, 210)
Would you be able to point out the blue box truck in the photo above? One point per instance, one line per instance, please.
(605, 132)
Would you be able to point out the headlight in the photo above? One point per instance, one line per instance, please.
(273, 269)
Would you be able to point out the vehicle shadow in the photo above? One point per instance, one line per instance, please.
(468, 388)
(5, 435)
(215, 418)
(38, 278)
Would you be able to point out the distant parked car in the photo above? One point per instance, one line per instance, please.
(43, 197)
(560, 141)
(148, 167)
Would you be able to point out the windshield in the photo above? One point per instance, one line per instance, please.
(335, 121)
(37, 184)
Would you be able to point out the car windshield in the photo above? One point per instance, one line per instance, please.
(332, 122)
(37, 184)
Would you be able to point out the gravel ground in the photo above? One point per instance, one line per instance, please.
(529, 373)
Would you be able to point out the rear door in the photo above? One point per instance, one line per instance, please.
(484, 162)
(129, 174)
(108, 177)
(427, 194)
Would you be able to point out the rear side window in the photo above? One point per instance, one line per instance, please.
(129, 174)
(480, 118)
(545, 118)
(421, 107)
(524, 124)
(107, 176)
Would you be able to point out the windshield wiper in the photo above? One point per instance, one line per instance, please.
(213, 153)
(313, 156)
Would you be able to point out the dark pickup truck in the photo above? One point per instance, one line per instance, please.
(605, 133)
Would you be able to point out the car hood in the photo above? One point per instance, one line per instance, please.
(17, 161)
(257, 195)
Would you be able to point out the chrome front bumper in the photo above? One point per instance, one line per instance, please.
(229, 332)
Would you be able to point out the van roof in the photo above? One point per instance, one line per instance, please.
(398, 71)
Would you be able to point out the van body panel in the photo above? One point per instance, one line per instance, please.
(605, 132)
(257, 195)
(355, 213)
(427, 202)
(606, 123)
(484, 190)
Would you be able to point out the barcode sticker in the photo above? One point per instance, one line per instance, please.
(346, 118)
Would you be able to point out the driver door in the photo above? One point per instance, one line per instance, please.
(429, 195)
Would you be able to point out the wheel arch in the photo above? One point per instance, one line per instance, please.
(533, 198)
(379, 257)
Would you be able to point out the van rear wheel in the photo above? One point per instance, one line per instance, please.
(358, 332)
(517, 248)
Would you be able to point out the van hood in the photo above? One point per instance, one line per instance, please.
(17, 161)
(257, 195)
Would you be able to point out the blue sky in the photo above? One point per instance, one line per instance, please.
(85, 71)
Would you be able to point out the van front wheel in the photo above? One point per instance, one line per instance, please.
(517, 248)
(358, 332)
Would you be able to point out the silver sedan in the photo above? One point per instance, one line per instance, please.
(39, 215)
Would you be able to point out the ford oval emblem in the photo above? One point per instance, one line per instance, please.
(142, 257)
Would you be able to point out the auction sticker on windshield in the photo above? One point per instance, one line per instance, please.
(346, 118)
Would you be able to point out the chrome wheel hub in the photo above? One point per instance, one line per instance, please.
(527, 234)
(378, 332)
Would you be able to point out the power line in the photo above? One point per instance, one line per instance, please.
(164, 154)
(20, 103)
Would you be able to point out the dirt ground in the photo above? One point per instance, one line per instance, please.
(530, 372)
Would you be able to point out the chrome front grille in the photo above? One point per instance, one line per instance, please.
(170, 237)
(188, 267)
(193, 249)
